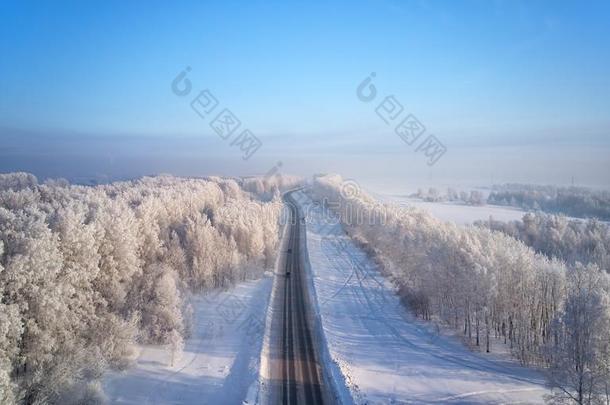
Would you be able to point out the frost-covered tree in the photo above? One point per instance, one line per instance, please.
(176, 344)
(17, 181)
(32, 283)
(119, 251)
(11, 329)
(578, 354)
(476, 198)
(162, 305)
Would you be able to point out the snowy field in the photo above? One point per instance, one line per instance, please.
(220, 362)
(461, 214)
(384, 354)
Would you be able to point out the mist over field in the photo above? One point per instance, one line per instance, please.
(382, 163)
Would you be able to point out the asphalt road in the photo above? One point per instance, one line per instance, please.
(297, 370)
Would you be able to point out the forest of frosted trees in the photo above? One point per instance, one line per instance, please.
(492, 288)
(571, 240)
(88, 272)
(578, 202)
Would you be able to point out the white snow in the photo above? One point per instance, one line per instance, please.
(384, 354)
(220, 362)
(459, 213)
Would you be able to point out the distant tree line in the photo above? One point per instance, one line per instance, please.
(573, 201)
(473, 197)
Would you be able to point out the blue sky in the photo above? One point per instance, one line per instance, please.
(482, 73)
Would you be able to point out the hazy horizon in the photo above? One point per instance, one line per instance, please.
(387, 169)
(515, 91)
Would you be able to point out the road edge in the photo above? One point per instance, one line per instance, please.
(262, 396)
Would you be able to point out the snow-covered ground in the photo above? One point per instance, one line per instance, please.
(459, 213)
(384, 354)
(220, 363)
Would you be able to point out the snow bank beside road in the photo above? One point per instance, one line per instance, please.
(386, 355)
(220, 363)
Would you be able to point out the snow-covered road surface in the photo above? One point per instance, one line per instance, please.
(220, 363)
(384, 354)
